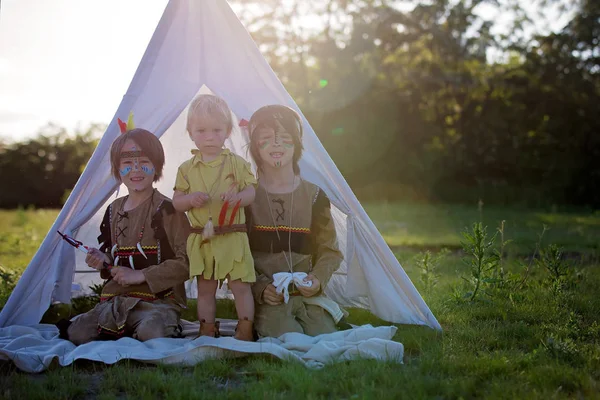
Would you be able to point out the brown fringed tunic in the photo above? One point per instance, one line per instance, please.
(123, 310)
(313, 243)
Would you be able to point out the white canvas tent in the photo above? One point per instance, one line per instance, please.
(201, 45)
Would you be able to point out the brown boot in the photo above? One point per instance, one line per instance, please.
(244, 330)
(209, 329)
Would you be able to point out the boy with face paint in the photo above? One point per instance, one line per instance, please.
(290, 230)
(143, 238)
(214, 186)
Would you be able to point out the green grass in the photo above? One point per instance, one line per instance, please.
(425, 226)
(536, 343)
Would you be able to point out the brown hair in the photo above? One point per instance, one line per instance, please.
(212, 106)
(149, 144)
(270, 117)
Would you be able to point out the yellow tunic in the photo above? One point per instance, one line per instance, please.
(225, 255)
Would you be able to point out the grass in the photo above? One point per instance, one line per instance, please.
(541, 341)
(425, 226)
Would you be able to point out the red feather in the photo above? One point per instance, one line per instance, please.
(223, 213)
(234, 212)
(122, 125)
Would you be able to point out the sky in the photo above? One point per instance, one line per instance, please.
(70, 61)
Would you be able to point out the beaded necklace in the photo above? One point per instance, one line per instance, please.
(124, 215)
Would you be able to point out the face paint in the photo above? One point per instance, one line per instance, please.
(136, 164)
(125, 171)
(148, 170)
(276, 148)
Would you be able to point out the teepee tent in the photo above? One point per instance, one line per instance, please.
(200, 46)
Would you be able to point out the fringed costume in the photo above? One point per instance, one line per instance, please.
(312, 242)
(151, 238)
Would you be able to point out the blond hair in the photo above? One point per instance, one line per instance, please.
(209, 105)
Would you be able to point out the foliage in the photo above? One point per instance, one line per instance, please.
(428, 264)
(44, 167)
(467, 108)
(482, 259)
(8, 280)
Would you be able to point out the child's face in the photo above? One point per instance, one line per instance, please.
(208, 134)
(276, 148)
(137, 172)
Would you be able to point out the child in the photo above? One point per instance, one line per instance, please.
(290, 230)
(214, 186)
(144, 240)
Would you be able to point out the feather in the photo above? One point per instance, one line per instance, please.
(116, 261)
(122, 125)
(130, 124)
(139, 247)
(209, 230)
(223, 213)
(131, 262)
(234, 212)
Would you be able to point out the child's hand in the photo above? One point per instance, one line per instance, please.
(96, 259)
(309, 291)
(198, 199)
(231, 196)
(271, 297)
(126, 276)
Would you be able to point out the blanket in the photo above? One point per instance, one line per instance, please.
(34, 348)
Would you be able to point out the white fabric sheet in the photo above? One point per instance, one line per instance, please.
(34, 348)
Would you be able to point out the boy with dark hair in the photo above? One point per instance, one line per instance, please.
(291, 232)
(143, 238)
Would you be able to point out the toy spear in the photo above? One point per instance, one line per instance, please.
(79, 246)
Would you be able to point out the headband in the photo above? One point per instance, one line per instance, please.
(274, 115)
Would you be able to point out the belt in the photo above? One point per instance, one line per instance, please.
(220, 230)
(223, 229)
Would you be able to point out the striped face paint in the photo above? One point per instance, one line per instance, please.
(136, 170)
(148, 170)
(276, 148)
(125, 171)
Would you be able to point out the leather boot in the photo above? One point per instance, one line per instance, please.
(209, 329)
(244, 330)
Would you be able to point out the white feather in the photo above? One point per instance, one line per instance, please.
(131, 262)
(116, 261)
(112, 251)
(209, 229)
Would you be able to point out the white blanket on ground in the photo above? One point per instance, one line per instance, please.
(33, 349)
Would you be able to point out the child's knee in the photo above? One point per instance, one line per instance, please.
(152, 328)
(78, 336)
(83, 329)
